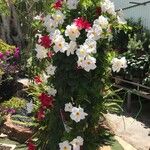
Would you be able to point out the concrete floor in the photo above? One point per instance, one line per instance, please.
(134, 126)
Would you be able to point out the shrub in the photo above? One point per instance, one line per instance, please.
(15, 103)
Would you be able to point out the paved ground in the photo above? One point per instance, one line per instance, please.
(133, 129)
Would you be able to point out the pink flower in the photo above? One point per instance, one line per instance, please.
(45, 41)
(16, 54)
(50, 54)
(1, 55)
(7, 53)
(81, 23)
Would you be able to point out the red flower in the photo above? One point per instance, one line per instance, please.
(37, 80)
(45, 41)
(41, 114)
(46, 100)
(98, 11)
(87, 25)
(58, 4)
(81, 23)
(31, 146)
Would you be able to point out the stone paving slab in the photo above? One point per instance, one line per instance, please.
(11, 146)
(124, 144)
(130, 130)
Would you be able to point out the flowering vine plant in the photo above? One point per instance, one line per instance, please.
(72, 39)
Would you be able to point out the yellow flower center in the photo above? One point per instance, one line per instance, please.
(72, 31)
(91, 46)
(65, 148)
(60, 45)
(58, 17)
(82, 51)
(78, 114)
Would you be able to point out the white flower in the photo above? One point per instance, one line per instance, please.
(45, 77)
(91, 45)
(118, 64)
(51, 91)
(68, 107)
(101, 21)
(95, 32)
(89, 63)
(82, 51)
(72, 31)
(64, 146)
(38, 35)
(121, 20)
(50, 24)
(80, 61)
(71, 48)
(41, 52)
(37, 17)
(77, 114)
(58, 17)
(55, 35)
(108, 6)
(50, 70)
(72, 4)
(77, 143)
(60, 44)
(29, 107)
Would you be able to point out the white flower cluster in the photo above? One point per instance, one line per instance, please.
(118, 64)
(41, 52)
(51, 90)
(77, 113)
(108, 6)
(76, 143)
(59, 42)
(85, 52)
(72, 4)
(50, 70)
(52, 22)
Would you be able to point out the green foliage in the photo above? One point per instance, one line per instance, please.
(5, 47)
(24, 121)
(146, 81)
(112, 101)
(134, 44)
(3, 7)
(1, 73)
(14, 103)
